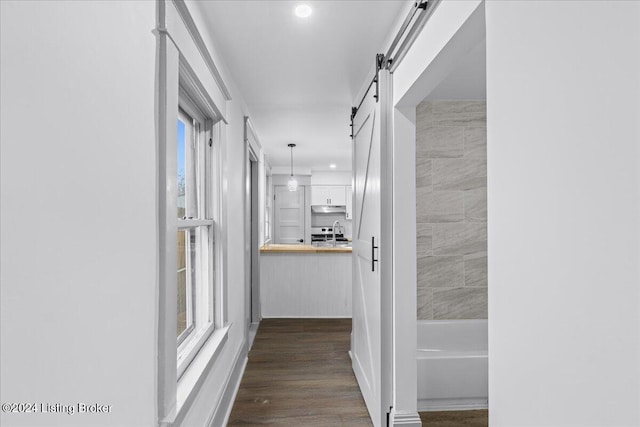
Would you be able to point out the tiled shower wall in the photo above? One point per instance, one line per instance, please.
(451, 184)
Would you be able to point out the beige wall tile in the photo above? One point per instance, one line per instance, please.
(441, 206)
(475, 270)
(459, 174)
(475, 205)
(424, 116)
(451, 204)
(441, 271)
(459, 239)
(440, 141)
(475, 142)
(459, 113)
(459, 303)
(425, 306)
(423, 173)
(423, 239)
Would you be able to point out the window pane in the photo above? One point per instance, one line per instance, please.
(191, 172)
(186, 279)
(188, 177)
(181, 169)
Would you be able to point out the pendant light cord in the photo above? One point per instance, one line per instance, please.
(292, 184)
(291, 146)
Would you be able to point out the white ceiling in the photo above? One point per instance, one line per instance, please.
(299, 77)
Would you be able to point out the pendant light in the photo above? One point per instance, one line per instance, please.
(293, 183)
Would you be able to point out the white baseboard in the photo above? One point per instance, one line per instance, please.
(220, 416)
(404, 419)
(253, 331)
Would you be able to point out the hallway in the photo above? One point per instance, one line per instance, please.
(424, 213)
(299, 373)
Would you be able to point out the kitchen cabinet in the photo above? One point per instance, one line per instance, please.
(319, 195)
(328, 195)
(349, 194)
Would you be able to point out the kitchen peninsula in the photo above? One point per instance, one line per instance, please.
(305, 281)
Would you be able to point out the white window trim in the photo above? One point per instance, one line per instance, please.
(192, 376)
(181, 371)
(206, 284)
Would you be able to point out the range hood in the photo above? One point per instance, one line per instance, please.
(322, 209)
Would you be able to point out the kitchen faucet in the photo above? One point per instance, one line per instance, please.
(334, 231)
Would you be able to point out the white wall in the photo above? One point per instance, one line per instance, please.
(79, 229)
(331, 178)
(286, 170)
(563, 98)
(78, 238)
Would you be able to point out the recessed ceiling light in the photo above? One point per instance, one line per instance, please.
(332, 165)
(303, 11)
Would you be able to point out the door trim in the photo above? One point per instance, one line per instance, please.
(385, 246)
(251, 228)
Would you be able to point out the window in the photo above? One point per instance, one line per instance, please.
(191, 109)
(196, 278)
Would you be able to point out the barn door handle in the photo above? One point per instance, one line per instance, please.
(373, 253)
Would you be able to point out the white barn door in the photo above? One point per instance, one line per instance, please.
(371, 306)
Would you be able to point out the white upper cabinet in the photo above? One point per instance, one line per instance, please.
(319, 195)
(334, 195)
(337, 196)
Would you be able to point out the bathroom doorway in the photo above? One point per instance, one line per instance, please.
(443, 112)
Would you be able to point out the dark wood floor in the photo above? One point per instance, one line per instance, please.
(299, 374)
(455, 419)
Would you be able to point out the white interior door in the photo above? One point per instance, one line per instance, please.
(368, 339)
(289, 218)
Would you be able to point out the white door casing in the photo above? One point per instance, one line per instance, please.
(289, 215)
(371, 340)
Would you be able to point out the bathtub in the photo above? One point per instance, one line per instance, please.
(452, 365)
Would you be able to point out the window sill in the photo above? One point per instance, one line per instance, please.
(194, 375)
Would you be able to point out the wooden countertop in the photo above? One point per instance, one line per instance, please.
(304, 249)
